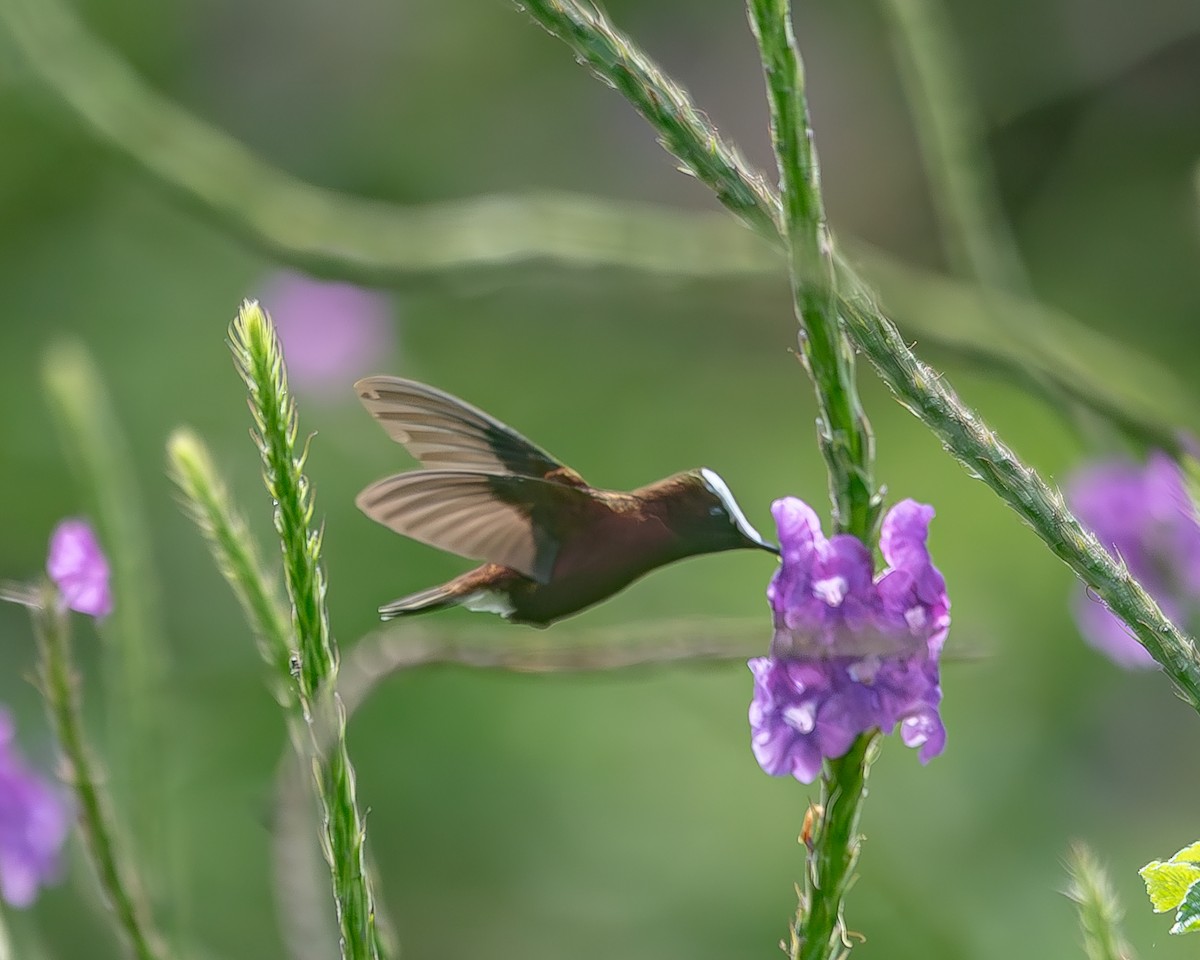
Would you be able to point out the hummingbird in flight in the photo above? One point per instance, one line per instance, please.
(551, 543)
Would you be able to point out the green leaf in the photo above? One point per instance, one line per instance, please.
(1168, 883)
(1188, 917)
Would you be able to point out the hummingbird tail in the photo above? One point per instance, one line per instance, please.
(435, 598)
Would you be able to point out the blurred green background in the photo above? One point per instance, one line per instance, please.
(619, 815)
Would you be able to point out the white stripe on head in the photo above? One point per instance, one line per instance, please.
(722, 493)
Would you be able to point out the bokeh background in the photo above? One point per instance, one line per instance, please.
(619, 815)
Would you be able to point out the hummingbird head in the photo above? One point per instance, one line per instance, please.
(712, 517)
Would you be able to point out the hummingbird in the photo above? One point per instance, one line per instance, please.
(551, 543)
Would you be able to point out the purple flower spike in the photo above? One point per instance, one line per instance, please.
(1143, 516)
(79, 569)
(852, 652)
(332, 333)
(34, 823)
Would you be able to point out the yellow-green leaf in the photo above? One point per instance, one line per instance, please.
(1189, 854)
(1167, 883)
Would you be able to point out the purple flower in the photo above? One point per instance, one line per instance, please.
(1144, 516)
(79, 569)
(332, 333)
(852, 651)
(34, 822)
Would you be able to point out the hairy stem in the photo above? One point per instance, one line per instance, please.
(843, 431)
(845, 438)
(207, 500)
(120, 884)
(134, 669)
(260, 361)
(819, 932)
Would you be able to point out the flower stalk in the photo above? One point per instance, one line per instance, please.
(844, 436)
(834, 847)
(118, 879)
(207, 500)
(259, 360)
(135, 669)
(843, 431)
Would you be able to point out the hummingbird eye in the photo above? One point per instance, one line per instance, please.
(717, 511)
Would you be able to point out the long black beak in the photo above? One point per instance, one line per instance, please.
(761, 544)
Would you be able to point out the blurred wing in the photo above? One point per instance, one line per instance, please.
(445, 433)
(857, 642)
(517, 522)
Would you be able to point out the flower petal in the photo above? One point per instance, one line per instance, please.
(34, 822)
(850, 653)
(79, 569)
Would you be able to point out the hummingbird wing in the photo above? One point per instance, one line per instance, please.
(517, 522)
(446, 433)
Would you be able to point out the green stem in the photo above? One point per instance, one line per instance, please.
(819, 932)
(845, 439)
(207, 500)
(116, 875)
(260, 361)
(975, 231)
(843, 431)
(135, 665)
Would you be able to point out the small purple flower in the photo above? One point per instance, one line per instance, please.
(852, 651)
(34, 823)
(332, 333)
(1143, 516)
(79, 569)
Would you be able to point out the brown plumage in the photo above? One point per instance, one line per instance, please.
(553, 544)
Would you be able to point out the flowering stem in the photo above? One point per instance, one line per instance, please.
(306, 930)
(207, 500)
(135, 667)
(843, 431)
(117, 877)
(260, 361)
(845, 438)
(819, 932)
